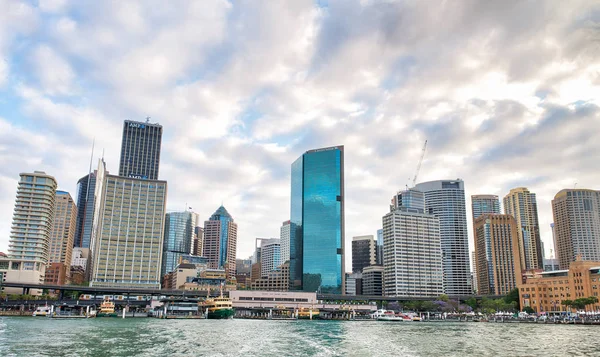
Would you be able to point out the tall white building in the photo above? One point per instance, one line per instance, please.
(412, 252)
(285, 231)
(128, 246)
(445, 199)
(270, 256)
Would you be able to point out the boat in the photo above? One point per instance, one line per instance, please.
(391, 316)
(42, 311)
(218, 308)
(305, 313)
(107, 309)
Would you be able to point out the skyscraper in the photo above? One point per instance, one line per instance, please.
(270, 256)
(128, 247)
(86, 202)
(446, 200)
(198, 242)
(220, 241)
(364, 252)
(61, 239)
(521, 204)
(481, 204)
(179, 234)
(412, 252)
(33, 219)
(285, 236)
(576, 225)
(140, 150)
(497, 260)
(379, 258)
(317, 211)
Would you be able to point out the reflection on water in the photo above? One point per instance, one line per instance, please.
(25, 336)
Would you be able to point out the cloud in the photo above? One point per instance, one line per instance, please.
(505, 93)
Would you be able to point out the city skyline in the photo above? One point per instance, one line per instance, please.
(230, 138)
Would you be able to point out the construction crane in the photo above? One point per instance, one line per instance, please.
(414, 181)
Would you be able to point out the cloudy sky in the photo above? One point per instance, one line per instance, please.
(507, 93)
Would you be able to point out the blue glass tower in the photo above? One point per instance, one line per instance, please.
(179, 233)
(317, 215)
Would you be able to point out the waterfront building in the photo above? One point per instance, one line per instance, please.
(78, 275)
(130, 231)
(61, 239)
(412, 252)
(198, 243)
(497, 261)
(353, 283)
(576, 225)
(481, 204)
(379, 258)
(86, 203)
(551, 264)
(33, 219)
(285, 236)
(364, 252)
(275, 280)
(317, 211)
(521, 204)
(445, 199)
(140, 150)
(220, 241)
(17, 270)
(545, 291)
(80, 257)
(179, 234)
(372, 280)
(270, 257)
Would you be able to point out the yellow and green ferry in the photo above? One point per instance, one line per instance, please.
(218, 308)
(107, 309)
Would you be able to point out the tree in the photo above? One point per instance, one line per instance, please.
(472, 302)
(528, 310)
(513, 296)
(568, 303)
(443, 298)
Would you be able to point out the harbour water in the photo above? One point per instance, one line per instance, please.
(28, 336)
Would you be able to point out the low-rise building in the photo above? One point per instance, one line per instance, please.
(277, 280)
(16, 270)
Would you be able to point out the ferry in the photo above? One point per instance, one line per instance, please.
(218, 308)
(305, 313)
(107, 309)
(42, 311)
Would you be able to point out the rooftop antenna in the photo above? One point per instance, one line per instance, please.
(87, 189)
(414, 181)
(575, 186)
(147, 119)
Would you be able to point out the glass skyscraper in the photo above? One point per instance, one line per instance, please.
(86, 188)
(140, 150)
(220, 241)
(179, 233)
(317, 213)
(481, 204)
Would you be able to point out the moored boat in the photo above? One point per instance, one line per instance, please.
(42, 311)
(107, 309)
(218, 308)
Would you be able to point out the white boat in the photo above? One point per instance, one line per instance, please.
(392, 318)
(42, 311)
(379, 313)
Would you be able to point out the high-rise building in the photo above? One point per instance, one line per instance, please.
(285, 236)
(354, 284)
(481, 204)
(372, 280)
(128, 247)
(379, 258)
(521, 204)
(33, 218)
(497, 260)
(220, 241)
(474, 273)
(364, 252)
(576, 225)
(86, 199)
(412, 252)
(61, 239)
(270, 256)
(99, 192)
(140, 150)
(179, 235)
(317, 211)
(198, 242)
(446, 200)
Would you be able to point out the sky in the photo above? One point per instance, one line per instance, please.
(507, 93)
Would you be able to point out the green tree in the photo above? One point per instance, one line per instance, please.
(568, 303)
(443, 298)
(428, 306)
(528, 310)
(472, 302)
(513, 296)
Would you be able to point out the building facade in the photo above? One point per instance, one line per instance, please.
(379, 258)
(86, 198)
(198, 242)
(61, 239)
(522, 204)
(179, 236)
(128, 248)
(275, 280)
(372, 280)
(445, 199)
(140, 150)
(481, 204)
(364, 252)
(576, 225)
(285, 236)
(33, 220)
(317, 212)
(270, 257)
(220, 241)
(353, 283)
(497, 261)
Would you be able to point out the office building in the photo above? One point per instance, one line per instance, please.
(353, 283)
(275, 280)
(521, 204)
(80, 257)
(140, 150)
(445, 199)
(576, 225)
(285, 234)
(379, 258)
(364, 252)
(497, 260)
(86, 203)
(317, 211)
(179, 235)
(372, 280)
(220, 241)
(412, 252)
(270, 257)
(61, 239)
(198, 242)
(127, 250)
(481, 204)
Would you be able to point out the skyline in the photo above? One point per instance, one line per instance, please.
(505, 111)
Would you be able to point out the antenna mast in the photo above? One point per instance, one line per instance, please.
(414, 181)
